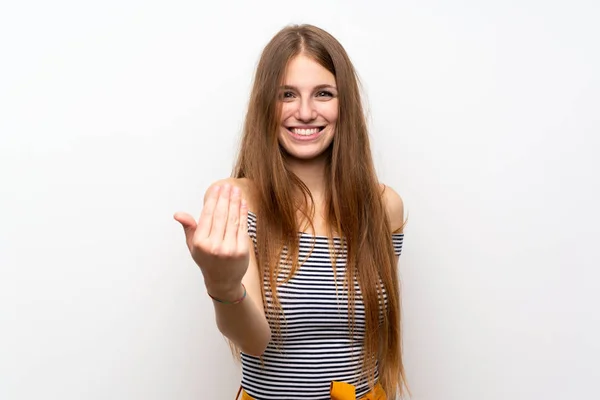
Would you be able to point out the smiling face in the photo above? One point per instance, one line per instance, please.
(309, 108)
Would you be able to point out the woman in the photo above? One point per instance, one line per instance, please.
(304, 216)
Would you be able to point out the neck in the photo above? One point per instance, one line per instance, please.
(312, 174)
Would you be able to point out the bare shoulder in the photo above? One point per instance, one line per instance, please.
(394, 206)
(248, 191)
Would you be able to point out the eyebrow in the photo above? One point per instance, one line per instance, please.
(318, 87)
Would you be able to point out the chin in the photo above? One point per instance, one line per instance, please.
(305, 154)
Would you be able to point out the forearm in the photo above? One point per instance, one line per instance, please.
(244, 324)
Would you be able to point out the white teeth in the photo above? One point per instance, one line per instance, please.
(305, 132)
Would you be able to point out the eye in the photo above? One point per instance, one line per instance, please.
(324, 93)
(286, 95)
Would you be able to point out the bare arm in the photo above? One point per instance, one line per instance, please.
(394, 207)
(395, 210)
(245, 323)
(220, 245)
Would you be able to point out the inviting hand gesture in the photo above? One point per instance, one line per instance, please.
(219, 241)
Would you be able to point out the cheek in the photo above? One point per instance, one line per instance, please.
(330, 111)
(287, 110)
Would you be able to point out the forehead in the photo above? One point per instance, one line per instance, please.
(304, 72)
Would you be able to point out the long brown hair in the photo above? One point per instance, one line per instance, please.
(353, 201)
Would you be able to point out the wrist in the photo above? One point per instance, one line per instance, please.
(227, 294)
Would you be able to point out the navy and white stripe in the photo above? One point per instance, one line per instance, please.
(316, 347)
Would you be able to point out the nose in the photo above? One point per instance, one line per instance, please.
(306, 111)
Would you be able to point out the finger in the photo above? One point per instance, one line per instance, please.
(242, 233)
(187, 222)
(219, 221)
(206, 217)
(233, 218)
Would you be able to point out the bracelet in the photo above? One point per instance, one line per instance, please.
(230, 302)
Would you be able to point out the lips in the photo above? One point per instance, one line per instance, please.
(305, 134)
(305, 131)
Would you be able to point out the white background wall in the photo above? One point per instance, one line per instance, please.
(116, 114)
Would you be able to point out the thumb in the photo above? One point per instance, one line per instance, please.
(187, 222)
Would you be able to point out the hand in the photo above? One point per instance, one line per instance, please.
(219, 241)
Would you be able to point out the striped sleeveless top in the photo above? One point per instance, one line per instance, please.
(315, 347)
